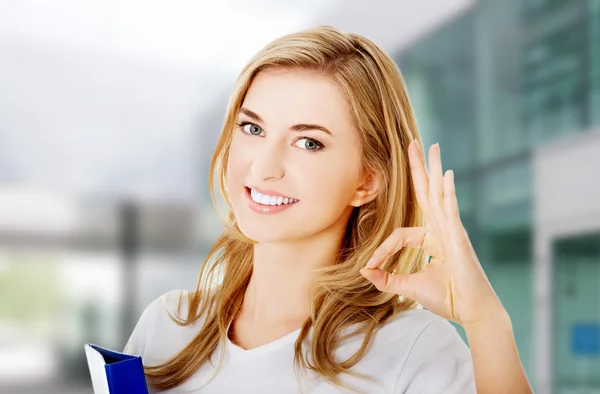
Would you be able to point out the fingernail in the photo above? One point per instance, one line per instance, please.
(370, 263)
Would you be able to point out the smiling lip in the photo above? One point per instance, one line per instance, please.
(269, 192)
(260, 208)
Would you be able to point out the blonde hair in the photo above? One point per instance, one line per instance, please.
(341, 296)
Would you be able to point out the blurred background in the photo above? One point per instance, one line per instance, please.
(109, 112)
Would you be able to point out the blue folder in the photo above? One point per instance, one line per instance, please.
(115, 373)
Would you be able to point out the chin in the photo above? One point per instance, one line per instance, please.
(265, 234)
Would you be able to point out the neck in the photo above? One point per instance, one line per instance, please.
(283, 273)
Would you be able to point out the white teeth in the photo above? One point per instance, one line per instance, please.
(270, 200)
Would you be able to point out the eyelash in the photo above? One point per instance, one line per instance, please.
(318, 143)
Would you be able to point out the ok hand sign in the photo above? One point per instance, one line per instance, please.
(453, 285)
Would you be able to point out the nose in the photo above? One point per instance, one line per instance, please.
(268, 161)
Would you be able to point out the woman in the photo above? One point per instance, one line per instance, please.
(316, 284)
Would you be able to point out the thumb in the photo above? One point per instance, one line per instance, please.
(404, 285)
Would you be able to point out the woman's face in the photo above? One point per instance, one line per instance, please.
(295, 140)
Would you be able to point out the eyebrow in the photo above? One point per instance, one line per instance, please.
(297, 127)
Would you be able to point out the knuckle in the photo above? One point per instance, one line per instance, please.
(452, 212)
(386, 283)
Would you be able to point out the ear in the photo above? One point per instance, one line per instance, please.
(367, 189)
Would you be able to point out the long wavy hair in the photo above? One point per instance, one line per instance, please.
(341, 296)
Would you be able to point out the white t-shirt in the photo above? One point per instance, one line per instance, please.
(415, 352)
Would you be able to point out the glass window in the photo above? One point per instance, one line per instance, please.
(439, 74)
(553, 80)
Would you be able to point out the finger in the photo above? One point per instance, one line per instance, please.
(412, 237)
(450, 201)
(451, 206)
(435, 178)
(404, 285)
(419, 176)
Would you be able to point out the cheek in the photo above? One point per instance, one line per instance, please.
(330, 186)
(236, 161)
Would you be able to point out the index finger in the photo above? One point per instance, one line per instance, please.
(401, 237)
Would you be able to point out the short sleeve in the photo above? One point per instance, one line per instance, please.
(136, 345)
(439, 362)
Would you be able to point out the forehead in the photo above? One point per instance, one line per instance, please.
(298, 96)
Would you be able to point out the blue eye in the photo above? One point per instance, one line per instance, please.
(309, 144)
(252, 129)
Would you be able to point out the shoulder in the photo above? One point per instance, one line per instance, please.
(409, 326)
(157, 319)
(172, 303)
(436, 359)
(430, 334)
(413, 352)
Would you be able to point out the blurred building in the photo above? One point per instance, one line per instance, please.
(511, 91)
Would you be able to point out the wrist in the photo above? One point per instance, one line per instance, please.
(498, 320)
